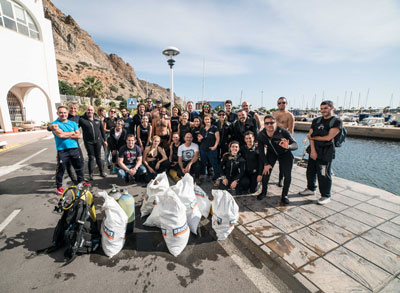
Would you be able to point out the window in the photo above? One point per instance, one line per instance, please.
(16, 18)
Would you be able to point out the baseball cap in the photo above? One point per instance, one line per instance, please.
(158, 101)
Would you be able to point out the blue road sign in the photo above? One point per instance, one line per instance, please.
(131, 103)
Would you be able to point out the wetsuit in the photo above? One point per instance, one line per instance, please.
(253, 165)
(225, 135)
(270, 152)
(232, 117)
(195, 132)
(206, 153)
(174, 123)
(93, 137)
(144, 134)
(183, 129)
(137, 120)
(115, 143)
(321, 168)
(163, 166)
(233, 168)
(240, 128)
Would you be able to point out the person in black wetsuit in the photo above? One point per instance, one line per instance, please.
(116, 140)
(322, 152)
(196, 129)
(233, 167)
(253, 164)
(175, 119)
(243, 124)
(155, 159)
(173, 156)
(225, 133)
(232, 117)
(275, 144)
(144, 132)
(93, 137)
(184, 127)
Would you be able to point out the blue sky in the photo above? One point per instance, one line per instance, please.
(303, 50)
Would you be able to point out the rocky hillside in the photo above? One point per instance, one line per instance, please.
(79, 56)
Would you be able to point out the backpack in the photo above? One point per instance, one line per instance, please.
(76, 228)
(340, 138)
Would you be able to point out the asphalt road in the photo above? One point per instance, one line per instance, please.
(144, 265)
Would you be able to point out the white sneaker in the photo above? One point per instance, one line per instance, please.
(307, 192)
(324, 200)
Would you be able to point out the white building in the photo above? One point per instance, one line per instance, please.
(28, 75)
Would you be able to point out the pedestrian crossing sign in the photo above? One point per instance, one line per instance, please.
(131, 103)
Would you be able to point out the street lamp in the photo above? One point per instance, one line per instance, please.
(170, 53)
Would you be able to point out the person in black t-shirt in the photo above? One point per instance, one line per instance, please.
(196, 129)
(137, 119)
(232, 117)
(144, 133)
(243, 124)
(225, 133)
(130, 160)
(175, 118)
(116, 139)
(322, 152)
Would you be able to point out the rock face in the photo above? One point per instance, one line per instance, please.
(79, 56)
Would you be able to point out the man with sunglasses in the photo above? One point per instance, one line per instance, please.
(322, 152)
(275, 144)
(284, 119)
(149, 105)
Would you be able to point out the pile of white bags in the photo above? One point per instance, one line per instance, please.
(174, 225)
(225, 213)
(185, 191)
(113, 226)
(203, 201)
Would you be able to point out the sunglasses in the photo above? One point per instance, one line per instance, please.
(281, 103)
(269, 123)
(206, 107)
(222, 114)
(112, 111)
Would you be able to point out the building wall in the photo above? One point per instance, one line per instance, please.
(28, 63)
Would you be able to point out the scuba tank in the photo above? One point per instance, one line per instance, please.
(127, 203)
(114, 193)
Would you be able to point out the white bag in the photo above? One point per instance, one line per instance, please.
(203, 201)
(154, 219)
(113, 226)
(174, 225)
(185, 191)
(155, 188)
(225, 213)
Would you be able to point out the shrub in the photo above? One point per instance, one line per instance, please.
(66, 89)
(97, 102)
(113, 89)
(83, 63)
(112, 104)
(121, 85)
(119, 98)
(123, 104)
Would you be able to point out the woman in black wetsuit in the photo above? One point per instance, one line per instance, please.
(175, 119)
(196, 129)
(144, 131)
(155, 159)
(173, 156)
(233, 167)
(184, 127)
(253, 162)
(225, 133)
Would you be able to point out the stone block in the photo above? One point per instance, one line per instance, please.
(319, 210)
(284, 222)
(383, 239)
(363, 217)
(345, 199)
(333, 232)
(390, 206)
(392, 287)
(391, 228)
(348, 223)
(247, 216)
(302, 216)
(314, 240)
(264, 230)
(376, 211)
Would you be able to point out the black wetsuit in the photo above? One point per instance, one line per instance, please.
(144, 134)
(232, 117)
(225, 135)
(240, 128)
(183, 129)
(115, 144)
(137, 120)
(174, 123)
(233, 168)
(253, 165)
(270, 152)
(195, 132)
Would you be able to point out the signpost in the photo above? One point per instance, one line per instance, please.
(131, 103)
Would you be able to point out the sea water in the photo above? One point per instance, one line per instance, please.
(372, 162)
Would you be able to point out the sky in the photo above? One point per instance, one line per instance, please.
(259, 50)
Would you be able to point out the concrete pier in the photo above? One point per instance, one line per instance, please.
(391, 133)
(352, 244)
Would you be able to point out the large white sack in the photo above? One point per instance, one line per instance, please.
(154, 219)
(185, 191)
(174, 225)
(155, 188)
(203, 201)
(113, 226)
(225, 213)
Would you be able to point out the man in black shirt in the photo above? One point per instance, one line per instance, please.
(242, 125)
(275, 144)
(127, 120)
(322, 152)
(232, 117)
(137, 119)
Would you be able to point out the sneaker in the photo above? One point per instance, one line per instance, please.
(307, 192)
(285, 200)
(60, 190)
(114, 171)
(261, 196)
(103, 174)
(324, 200)
(90, 177)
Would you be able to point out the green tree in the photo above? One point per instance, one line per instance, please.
(66, 89)
(123, 104)
(97, 102)
(91, 87)
(112, 104)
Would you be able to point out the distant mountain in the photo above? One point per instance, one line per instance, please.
(79, 56)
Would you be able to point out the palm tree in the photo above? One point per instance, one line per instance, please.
(91, 87)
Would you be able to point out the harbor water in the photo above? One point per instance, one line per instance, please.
(369, 161)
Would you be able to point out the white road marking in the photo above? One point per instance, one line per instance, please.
(8, 169)
(9, 219)
(48, 137)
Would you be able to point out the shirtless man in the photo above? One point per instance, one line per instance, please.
(254, 115)
(162, 128)
(284, 119)
(155, 113)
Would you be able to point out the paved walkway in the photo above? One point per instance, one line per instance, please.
(350, 245)
(20, 138)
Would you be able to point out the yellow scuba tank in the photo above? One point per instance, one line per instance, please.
(127, 203)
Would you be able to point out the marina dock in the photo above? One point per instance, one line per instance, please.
(390, 133)
(352, 244)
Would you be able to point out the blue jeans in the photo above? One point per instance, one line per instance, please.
(122, 174)
(213, 157)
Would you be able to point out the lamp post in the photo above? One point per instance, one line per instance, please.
(170, 53)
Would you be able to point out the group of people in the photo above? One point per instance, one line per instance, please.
(232, 148)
